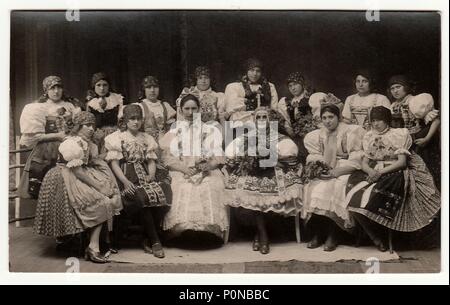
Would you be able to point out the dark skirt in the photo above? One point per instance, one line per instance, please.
(419, 204)
(42, 158)
(148, 194)
(431, 154)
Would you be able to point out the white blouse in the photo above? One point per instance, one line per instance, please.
(112, 101)
(34, 116)
(357, 108)
(349, 150)
(235, 100)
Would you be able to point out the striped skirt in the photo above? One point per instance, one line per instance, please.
(404, 201)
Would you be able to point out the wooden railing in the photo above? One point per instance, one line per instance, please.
(13, 191)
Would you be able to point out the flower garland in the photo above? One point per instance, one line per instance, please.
(264, 92)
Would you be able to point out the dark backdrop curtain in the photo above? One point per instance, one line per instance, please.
(326, 46)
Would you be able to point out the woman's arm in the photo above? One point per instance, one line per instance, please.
(151, 166)
(365, 166)
(129, 187)
(47, 137)
(433, 128)
(77, 171)
(340, 171)
(400, 164)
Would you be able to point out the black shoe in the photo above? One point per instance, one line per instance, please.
(256, 245)
(315, 242)
(382, 247)
(95, 257)
(331, 243)
(264, 248)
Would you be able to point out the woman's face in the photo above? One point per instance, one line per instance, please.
(379, 125)
(254, 74)
(86, 131)
(398, 91)
(262, 119)
(152, 93)
(55, 93)
(203, 82)
(101, 88)
(188, 110)
(134, 123)
(330, 120)
(362, 85)
(296, 89)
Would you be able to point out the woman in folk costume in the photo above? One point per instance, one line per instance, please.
(393, 189)
(335, 151)
(357, 106)
(193, 153)
(146, 191)
(212, 103)
(158, 115)
(105, 105)
(80, 193)
(251, 92)
(297, 112)
(263, 174)
(417, 113)
(44, 124)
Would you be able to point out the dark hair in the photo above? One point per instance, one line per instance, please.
(129, 111)
(330, 108)
(381, 113)
(369, 75)
(405, 81)
(96, 77)
(189, 97)
(192, 80)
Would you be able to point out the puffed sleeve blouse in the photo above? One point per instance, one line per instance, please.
(387, 145)
(122, 145)
(75, 151)
(349, 150)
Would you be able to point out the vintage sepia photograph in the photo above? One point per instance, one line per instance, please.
(188, 141)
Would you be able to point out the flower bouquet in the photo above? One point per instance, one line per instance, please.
(201, 170)
(315, 170)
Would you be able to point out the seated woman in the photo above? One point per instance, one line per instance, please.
(394, 188)
(335, 151)
(80, 193)
(193, 153)
(43, 125)
(105, 105)
(357, 106)
(212, 103)
(131, 154)
(264, 177)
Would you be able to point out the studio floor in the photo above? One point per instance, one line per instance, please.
(32, 253)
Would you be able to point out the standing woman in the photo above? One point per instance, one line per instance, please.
(251, 92)
(193, 153)
(335, 151)
(105, 105)
(297, 112)
(158, 115)
(357, 106)
(212, 103)
(43, 125)
(263, 175)
(393, 189)
(80, 193)
(145, 191)
(418, 115)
